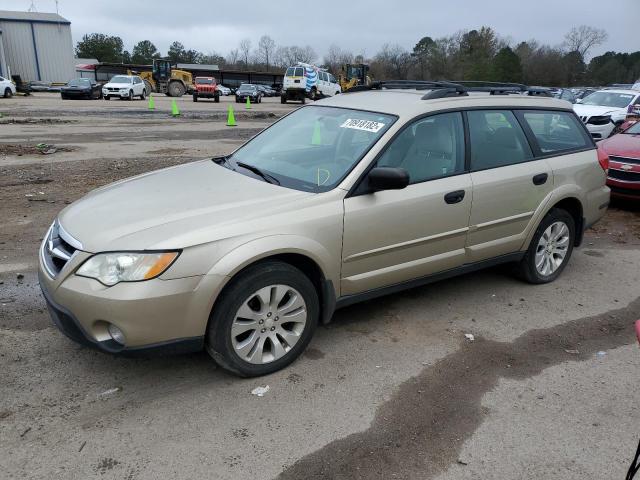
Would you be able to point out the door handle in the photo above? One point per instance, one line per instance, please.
(540, 179)
(454, 197)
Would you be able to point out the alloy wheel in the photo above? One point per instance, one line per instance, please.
(268, 324)
(552, 248)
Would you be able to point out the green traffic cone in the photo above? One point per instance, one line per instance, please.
(248, 103)
(152, 105)
(316, 138)
(174, 108)
(231, 118)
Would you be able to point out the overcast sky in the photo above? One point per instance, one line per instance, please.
(362, 27)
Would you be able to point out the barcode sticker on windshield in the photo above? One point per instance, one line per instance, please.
(366, 125)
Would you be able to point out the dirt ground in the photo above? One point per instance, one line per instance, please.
(391, 389)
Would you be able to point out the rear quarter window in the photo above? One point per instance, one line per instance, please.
(290, 72)
(556, 131)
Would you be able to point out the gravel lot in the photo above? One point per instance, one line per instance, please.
(391, 389)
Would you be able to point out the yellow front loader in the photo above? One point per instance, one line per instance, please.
(164, 78)
(352, 75)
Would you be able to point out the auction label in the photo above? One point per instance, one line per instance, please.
(366, 125)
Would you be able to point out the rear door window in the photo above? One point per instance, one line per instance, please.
(290, 72)
(299, 72)
(496, 139)
(556, 131)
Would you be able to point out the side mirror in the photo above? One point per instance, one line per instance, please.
(578, 100)
(388, 178)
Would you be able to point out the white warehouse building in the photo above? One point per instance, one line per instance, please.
(36, 46)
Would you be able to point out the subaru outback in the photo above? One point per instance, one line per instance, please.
(360, 195)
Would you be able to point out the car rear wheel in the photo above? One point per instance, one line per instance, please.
(107, 97)
(144, 94)
(263, 320)
(283, 99)
(550, 248)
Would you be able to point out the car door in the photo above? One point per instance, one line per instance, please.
(395, 236)
(509, 184)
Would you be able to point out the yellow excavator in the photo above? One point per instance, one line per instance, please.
(354, 74)
(165, 78)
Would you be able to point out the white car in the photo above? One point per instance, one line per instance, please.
(603, 110)
(7, 88)
(224, 90)
(125, 87)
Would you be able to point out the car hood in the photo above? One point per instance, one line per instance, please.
(75, 87)
(178, 207)
(622, 145)
(117, 85)
(593, 110)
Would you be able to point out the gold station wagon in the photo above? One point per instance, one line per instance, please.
(386, 187)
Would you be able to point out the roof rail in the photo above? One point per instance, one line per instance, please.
(503, 88)
(444, 88)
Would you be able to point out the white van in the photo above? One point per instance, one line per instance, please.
(308, 81)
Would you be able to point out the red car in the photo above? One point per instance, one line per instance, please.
(624, 162)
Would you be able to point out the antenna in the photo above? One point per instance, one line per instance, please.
(57, 12)
(32, 7)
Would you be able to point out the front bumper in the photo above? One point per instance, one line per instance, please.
(154, 315)
(107, 93)
(600, 132)
(75, 93)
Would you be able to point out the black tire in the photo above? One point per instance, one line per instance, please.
(283, 99)
(8, 93)
(526, 269)
(144, 94)
(218, 336)
(175, 89)
(61, 96)
(130, 97)
(302, 100)
(216, 98)
(314, 94)
(107, 97)
(195, 98)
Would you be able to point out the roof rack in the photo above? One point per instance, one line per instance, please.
(444, 88)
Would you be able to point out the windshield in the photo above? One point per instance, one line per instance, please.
(313, 148)
(247, 88)
(120, 79)
(633, 129)
(609, 99)
(204, 81)
(79, 82)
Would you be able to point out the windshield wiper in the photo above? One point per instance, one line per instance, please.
(265, 176)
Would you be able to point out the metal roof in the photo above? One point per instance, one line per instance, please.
(37, 17)
(198, 66)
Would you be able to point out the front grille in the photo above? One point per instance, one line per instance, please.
(57, 249)
(626, 176)
(613, 158)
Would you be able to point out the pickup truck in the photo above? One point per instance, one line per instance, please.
(206, 87)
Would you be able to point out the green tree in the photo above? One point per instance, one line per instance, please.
(422, 52)
(105, 48)
(575, 68)
(144, 52)
(176, 52)
(506, 66)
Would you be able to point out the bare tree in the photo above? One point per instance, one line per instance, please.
(245, 51)
(287, 56)
(392, 61)
(336, 57)
(233, 57)
(266, 49)
(583, 38)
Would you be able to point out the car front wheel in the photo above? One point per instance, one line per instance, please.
(263, 320)
(550, 248)
(8, 93)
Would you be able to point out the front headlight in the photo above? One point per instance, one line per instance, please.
(112, 268)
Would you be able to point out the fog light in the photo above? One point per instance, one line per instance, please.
(116, 334)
